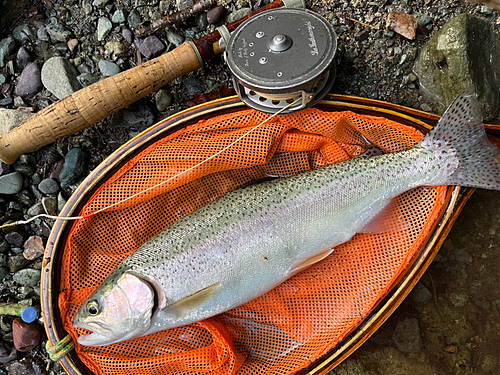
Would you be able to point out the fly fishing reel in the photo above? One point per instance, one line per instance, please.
(281, 56)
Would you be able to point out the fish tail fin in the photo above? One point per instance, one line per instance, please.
(466, 156)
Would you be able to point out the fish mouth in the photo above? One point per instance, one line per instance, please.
(101, 335)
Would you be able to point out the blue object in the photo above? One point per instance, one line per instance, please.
(29, 314)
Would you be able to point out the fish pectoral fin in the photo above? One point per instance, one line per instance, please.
(387, 220)
(192, 302)
(310, 261)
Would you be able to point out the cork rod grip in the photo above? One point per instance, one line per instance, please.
(95, 102)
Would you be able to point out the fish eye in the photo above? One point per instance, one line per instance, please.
(93, 308)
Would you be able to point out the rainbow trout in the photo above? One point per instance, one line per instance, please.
(252, 239)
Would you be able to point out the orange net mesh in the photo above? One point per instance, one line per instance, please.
(296, 323)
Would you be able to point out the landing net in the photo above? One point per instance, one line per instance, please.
(291, 326)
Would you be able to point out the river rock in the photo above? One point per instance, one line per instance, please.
(73, 167)
(23, 58)
(407, 336)
(104, 26)
(152, 47)
(49, 204)
(11, 183)
(6, 47)
(48, 186)
(57, 30)
(108, 68)
(59, 76)
(87, 79)
(17, 262)
(238, 14)
(463, 52)
(133, 19)
(215, 14)
(27, 276)
(8, 353)
(30, 82)
(163, 99)
(119, 16)
(26, 335)
(23, 32)
(33, 247)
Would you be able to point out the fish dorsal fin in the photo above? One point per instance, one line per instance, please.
(193, 301)
(387, 220)
(310, 261)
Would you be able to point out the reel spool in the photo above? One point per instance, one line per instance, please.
(280, 56)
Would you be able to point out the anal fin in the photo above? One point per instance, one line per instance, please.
(310, 261)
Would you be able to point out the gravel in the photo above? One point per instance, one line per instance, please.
(450, 324)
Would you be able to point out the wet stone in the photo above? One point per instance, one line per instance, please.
(4, 246)
(26, 335)
(238, 14)
(461, 256)
(6, 48)
(48, 186)
(174, 37)
(36, 209)
(33, 247)
(25, 198)
(115, 47)
(72, 44)
(489, 363)
(11, 183)
(128, 35)
(59, 77)
(23, 58)
(57, 30)
(23, 32)
(402, 23)
(463, 52)
(201, 21)
(163, 99)
(6, 101)
(194, 86)
(108, 68)
(3, 272)
(30, 82)
(215, 14)
(10, 118)
(151, 47)
(49, 205)
(87, 79)
(73, 167)
(25, 170)
(458, 300)
(8, 352)
(134, 19)
(100, 3)
(420, 293)
(43, 34)
(4, 168)
(15, 238)
(27, 276)
(104, 26)
(407, 336)
(17, 262)
(119, 16)
(362, 35)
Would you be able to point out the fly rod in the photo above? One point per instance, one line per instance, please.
(101, 99)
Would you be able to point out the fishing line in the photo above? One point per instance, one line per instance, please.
(22, 222)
